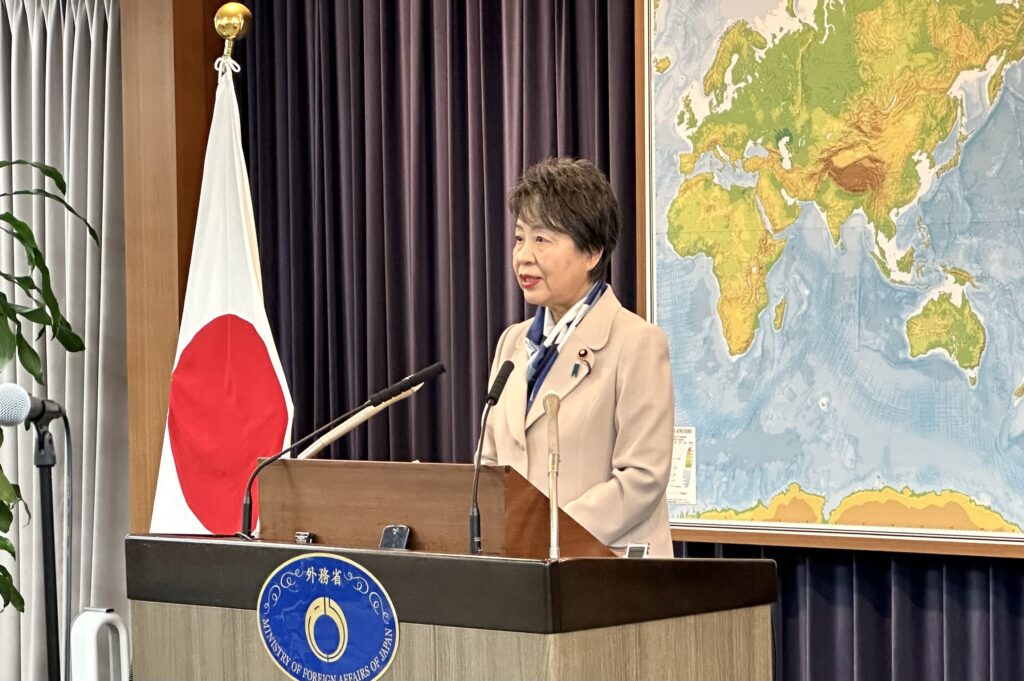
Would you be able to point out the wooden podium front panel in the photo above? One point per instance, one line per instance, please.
(730, 644)
(463, 617)
(528, 525)
(349, 503)
(174, 642)
(307, 495)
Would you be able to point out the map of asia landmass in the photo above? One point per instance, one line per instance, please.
(837, 257)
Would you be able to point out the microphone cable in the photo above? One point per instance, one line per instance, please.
(246, 532)
(379, 397)
(69, 496)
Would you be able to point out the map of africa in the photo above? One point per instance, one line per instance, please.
(836, 249)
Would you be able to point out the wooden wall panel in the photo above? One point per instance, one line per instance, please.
(640, 70)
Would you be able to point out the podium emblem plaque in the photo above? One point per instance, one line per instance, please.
(326, 618)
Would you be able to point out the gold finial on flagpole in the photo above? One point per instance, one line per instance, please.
(233, 21)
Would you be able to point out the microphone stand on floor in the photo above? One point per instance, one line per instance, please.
(45, 459)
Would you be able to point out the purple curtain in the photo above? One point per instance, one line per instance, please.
(382, 139)
(867, 616)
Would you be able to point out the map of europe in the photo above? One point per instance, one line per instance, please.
(836, 249)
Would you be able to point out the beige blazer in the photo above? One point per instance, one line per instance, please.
(615, 424)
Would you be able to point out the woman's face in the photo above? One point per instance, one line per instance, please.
(550, 269)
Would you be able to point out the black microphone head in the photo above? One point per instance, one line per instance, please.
(499, 382)
(430, 372)
(15, 404)
(407, 383)
(421, 376)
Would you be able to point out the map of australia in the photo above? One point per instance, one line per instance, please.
(837, 250)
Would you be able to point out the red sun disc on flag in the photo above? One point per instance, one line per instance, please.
(226, 410)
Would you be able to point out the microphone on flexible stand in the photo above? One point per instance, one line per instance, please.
(492, 399)
(377, 403)
(246, 531)
(17, 407)
(551, 404)
(407, 384)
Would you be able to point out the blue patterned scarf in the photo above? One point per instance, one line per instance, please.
(543, 350)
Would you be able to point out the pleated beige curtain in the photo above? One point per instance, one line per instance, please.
(60, 103)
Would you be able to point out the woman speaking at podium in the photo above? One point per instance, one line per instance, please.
(609, 367)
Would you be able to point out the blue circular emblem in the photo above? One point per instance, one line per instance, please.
(326, 618)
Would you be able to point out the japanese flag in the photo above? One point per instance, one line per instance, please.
(229, 403)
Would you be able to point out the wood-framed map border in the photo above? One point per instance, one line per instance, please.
(821, 537)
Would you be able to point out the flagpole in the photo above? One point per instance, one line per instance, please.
(233, 22)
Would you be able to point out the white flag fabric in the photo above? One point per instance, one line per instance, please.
(229, 402)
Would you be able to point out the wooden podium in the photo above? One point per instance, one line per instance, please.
(348, 503)
(511, 614)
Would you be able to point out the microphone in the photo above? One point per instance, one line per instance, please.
(492, 399)
(499, 382)
(366, 413)
(406, 384)
(551, 404)
(388, 393)
(17, 407)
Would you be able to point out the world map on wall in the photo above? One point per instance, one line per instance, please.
(836, 253)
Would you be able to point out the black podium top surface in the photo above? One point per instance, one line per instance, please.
(481, 592)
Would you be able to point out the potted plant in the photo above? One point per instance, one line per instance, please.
(42, 310)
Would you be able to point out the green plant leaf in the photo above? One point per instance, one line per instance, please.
(49, 171)
(29, 358)
(61, 328)
(22, 309)
(58, 199)
(22, 233)
(38, 305)
(8, 592)
(8, 344)
(8, 336)
(6, 517)
(26, 283)
(37, 315)
(58, 323)
(71, 341)
(24, 504)
(21, 229)
(8, 493)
